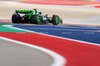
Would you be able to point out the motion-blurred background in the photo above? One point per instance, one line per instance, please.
(50, 0)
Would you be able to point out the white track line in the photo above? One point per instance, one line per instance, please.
(58, 59)
(11, 26)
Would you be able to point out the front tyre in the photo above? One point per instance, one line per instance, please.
(36, 19)
(55, 20)
(15, 18)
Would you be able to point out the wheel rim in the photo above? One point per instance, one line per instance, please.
(57, 20)
(38, 19)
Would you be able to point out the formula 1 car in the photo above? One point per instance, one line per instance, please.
(34, 17)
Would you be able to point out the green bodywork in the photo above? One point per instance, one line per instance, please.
(28, 12)
(23, 11)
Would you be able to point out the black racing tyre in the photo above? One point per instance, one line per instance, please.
(36, 19)
(15, 18)
(55, 20)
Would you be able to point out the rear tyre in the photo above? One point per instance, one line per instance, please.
(55, 20)
(36, 19)
(16, 18)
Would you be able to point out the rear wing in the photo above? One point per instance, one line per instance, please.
(23, 11)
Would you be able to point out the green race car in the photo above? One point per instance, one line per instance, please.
(34, 17)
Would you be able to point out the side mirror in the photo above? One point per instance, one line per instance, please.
(40, 12)
(35, 9)
(46, 15)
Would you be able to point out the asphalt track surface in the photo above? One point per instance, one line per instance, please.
(85, 53)
(76, 52)
(13, 54)
(78, 44)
